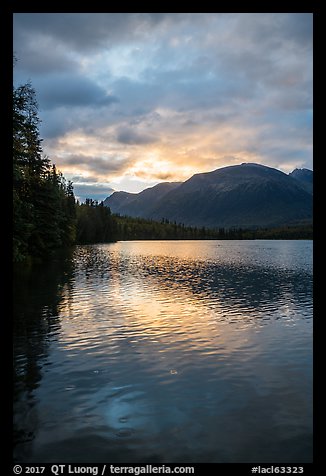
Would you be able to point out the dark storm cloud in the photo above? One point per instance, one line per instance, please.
(138, 97)
(99, 165)
(190, 84)
(58, 122)
(127, 135)
(42, 62)
(88, 31)
(205, 72)
(71, 90)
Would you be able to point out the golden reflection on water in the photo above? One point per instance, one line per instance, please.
(157, 309)
(192, 351)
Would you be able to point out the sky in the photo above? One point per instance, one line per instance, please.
(128, 100)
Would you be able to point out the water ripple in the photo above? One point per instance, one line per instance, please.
(183, 350)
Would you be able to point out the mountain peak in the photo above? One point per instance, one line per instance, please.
(253, 164)
(246, 195)
(304, 177)
(301, 172)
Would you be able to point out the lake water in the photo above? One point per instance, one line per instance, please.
(166, 351)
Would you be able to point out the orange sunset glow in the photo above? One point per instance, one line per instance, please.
(131, 100)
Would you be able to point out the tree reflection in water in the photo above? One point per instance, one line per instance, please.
(37, 293)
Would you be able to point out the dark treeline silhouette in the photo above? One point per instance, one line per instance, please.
(128, 228)
(95, 224)
(43, 202)
(47, 216)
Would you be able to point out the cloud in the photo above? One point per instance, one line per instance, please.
(35, 59)
(95, 191)
(101, 166)
(84, 179)
(126, 135)
(160, 176)
(71, 90)
(88, 31)
(162, 96)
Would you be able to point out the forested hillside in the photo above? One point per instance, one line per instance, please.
(128, 228)
(248, 196)
(47, 217)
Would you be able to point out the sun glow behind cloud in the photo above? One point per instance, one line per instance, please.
(130, 100)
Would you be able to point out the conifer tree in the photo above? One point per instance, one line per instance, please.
(43, 204)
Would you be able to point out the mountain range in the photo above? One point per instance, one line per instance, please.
(248, 195)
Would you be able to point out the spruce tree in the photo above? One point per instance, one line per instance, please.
(44, 205)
